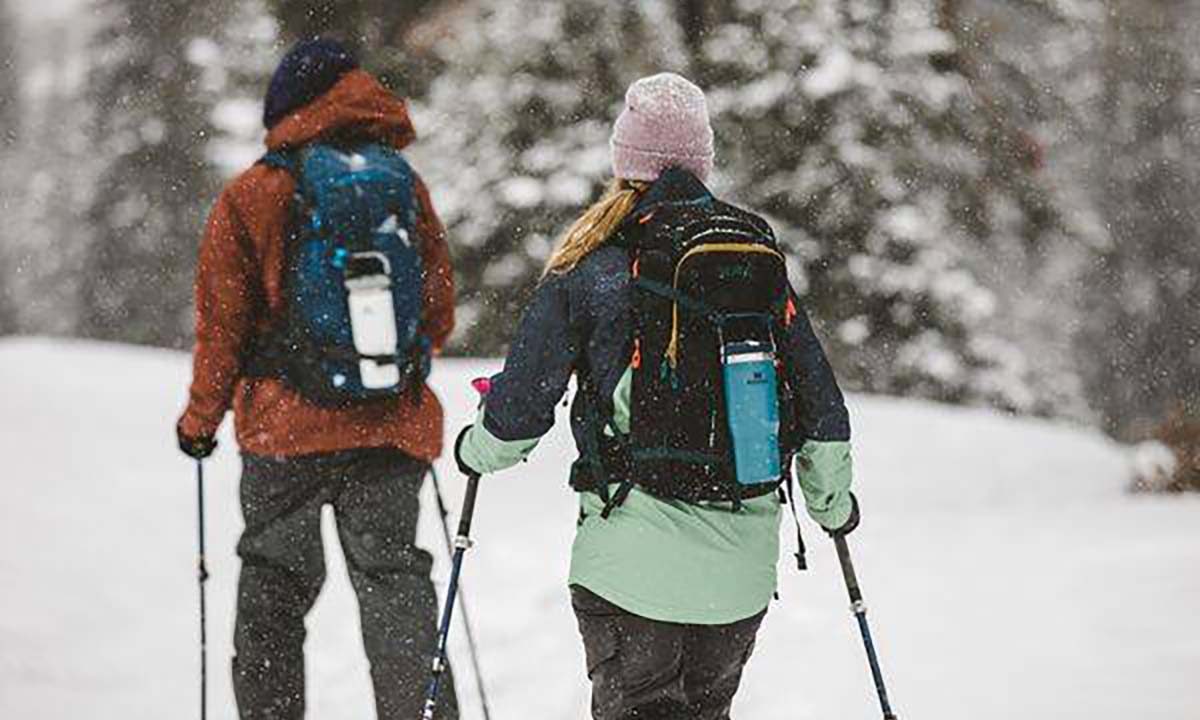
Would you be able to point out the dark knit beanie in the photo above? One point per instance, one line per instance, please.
(305, 73)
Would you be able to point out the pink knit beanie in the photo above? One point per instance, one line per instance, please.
(664, 124)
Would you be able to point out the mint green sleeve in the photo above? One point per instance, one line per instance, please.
(824, 469)
(488, 454)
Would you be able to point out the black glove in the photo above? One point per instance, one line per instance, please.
(851, 522)
(198, 448)
(463, 467)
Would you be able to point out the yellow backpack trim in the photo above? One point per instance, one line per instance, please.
(672, 353)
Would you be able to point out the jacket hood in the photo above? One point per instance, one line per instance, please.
(357, 102)
(675, 184)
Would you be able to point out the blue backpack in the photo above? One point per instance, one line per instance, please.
(354, 218)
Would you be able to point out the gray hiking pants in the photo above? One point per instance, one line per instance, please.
(374, 494)
(648, 670)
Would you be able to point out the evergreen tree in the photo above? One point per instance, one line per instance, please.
(1142, 329)
(237, 65)
(515, 137)
(151, 131)
(1025, 63)
(47, 179)
(378, 30)
(840, 119)
(10, 86)
(891, 181)
(10, 93)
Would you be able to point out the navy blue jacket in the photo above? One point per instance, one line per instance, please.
(582, 321)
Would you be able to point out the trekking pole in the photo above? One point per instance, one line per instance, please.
(860, 613)
(462, 601)
(462, 543)
(203, 578)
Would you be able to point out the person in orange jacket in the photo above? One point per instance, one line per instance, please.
(366, 459)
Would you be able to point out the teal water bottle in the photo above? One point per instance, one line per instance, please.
(752, 407)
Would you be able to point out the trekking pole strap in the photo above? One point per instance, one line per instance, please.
(789, 497)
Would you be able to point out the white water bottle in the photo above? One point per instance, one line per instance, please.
(373, 325)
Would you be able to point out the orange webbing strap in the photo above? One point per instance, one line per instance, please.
(635, 270)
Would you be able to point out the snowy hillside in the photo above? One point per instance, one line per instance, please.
(1008, 574)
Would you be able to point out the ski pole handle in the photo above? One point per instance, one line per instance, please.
(851, 578)
(468, 509)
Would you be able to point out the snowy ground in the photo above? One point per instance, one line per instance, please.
(1008, 573)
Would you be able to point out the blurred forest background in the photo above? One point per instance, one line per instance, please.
(984, 202)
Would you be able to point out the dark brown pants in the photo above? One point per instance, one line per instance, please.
(374, 494)
(652, 670)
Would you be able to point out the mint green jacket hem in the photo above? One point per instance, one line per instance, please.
(678, 562)
(651, 610)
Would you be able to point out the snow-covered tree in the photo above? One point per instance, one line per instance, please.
(10, 94)
(10, 87)
(1142, 327)
(367, 24)
(236, 64)
(893, 182)
(514, 136)
(151, 131)
(1031, 67)
(378, 30)
(47, 178)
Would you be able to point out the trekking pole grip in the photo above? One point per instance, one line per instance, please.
(468, 509)
(852, 587)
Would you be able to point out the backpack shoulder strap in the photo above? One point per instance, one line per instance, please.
(291, 160)
(280, 160)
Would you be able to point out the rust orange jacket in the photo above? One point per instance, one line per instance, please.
(239, 290)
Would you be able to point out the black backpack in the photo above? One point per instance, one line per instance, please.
(708, 279)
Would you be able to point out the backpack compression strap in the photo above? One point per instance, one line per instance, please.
(789, 497)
